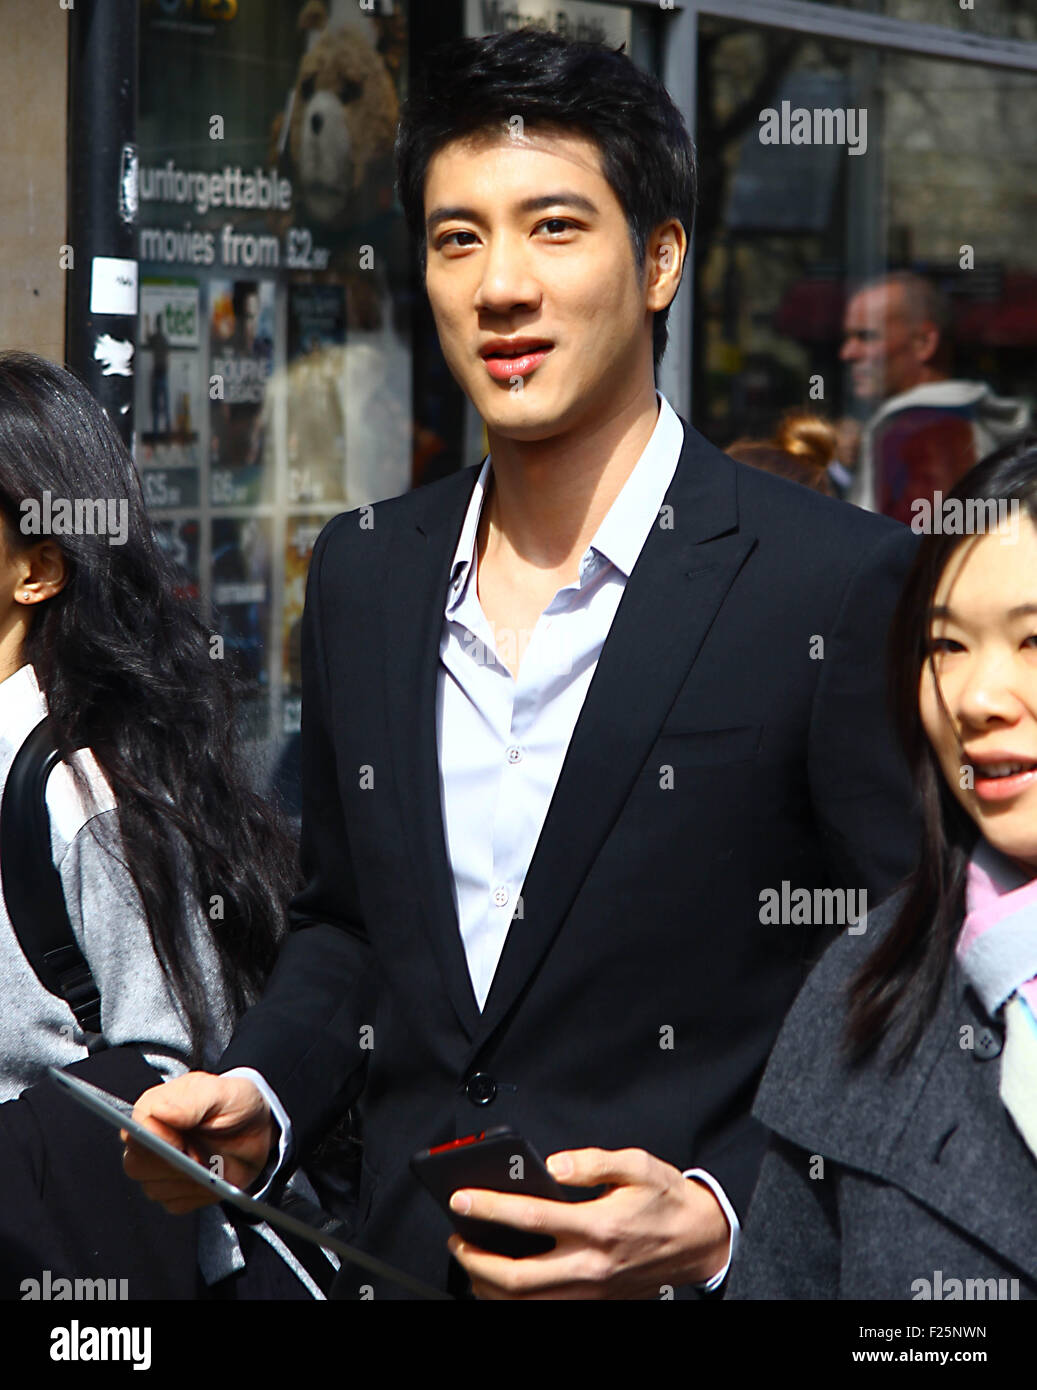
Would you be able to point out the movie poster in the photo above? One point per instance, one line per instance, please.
(241, 323)
(180, 541)
(313, 394)
(170, 395)
(241, 597)
(273, 367)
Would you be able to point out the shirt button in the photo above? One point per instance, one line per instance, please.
(987, 1045)
(500, 897)
(514, 755)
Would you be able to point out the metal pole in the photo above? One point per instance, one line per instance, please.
(101, 252)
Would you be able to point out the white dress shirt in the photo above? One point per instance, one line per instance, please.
(502, 741)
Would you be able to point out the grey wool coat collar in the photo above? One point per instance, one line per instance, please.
(937, 1129)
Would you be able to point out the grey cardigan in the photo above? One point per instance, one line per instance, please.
(874, 1186)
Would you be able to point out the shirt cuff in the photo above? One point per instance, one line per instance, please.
(700, 1175)
(279, 1113)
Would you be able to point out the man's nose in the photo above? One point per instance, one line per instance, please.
(850, 350)
(506, 280)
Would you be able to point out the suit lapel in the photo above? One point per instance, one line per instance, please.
(677, 585)
(419, 572)
(669, 602)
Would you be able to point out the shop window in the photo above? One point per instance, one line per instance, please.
(824, 165)
(274, 364)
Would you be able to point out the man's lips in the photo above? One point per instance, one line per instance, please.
(506, 361)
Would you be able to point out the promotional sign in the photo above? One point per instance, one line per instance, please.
(273, 368)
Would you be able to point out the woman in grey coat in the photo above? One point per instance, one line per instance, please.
(173, 871)
(902, 1091)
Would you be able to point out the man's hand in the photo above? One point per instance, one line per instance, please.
(202, 1116)
(653, 1228)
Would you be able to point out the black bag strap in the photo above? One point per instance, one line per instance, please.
(32, 885)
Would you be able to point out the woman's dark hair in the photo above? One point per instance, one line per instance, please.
(897, 989)
(473, 85)
(126, 669)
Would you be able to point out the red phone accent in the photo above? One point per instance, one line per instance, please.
(456, 1143)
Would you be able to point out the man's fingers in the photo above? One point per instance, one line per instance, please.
(200, 1101)
(200, 1115)
(613, 1167)
(497, 1276)
(526, 1213)
(142, 1165)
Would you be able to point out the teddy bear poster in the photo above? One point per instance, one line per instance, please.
(275, 126)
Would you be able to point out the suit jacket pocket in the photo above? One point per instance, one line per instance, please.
(703, 748)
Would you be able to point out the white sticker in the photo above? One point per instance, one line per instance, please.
(114, 354)
(113, 286)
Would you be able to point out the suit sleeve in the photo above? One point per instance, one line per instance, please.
(789, 1246)
(303, 1036)
(861, 792)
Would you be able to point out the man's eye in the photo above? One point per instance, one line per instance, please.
(450, 236)
(560, 223)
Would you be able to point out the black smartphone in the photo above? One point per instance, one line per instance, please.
(502, 1161)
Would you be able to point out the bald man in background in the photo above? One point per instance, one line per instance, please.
(927, 429)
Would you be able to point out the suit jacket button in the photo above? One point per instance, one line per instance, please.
(987, 1045)
(481, 1088)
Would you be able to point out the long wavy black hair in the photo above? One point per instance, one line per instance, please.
(124, 662)
(897, 989)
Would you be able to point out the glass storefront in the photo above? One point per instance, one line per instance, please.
(934, 175)
(274, 364)
(1005, 19)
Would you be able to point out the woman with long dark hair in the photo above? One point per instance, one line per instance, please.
(174, 871)
(902, 1092)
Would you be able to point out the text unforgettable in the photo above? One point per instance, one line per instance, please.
(232, 188)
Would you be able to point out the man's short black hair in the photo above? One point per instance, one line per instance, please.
(471, 85)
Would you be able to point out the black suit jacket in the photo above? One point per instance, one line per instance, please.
(641, 907)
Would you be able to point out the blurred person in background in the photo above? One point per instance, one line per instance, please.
(802, 450)
(926, 428)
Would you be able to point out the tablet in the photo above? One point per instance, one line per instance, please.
(117, 1113)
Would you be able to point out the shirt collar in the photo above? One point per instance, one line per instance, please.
(627, 524)
(22, 705)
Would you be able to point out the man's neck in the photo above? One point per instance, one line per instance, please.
(925, 376)
(548, 497)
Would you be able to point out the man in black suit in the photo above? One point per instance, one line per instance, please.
(567, 718)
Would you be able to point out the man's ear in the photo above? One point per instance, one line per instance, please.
(927, 342)
(44, 572)
(664, 267)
